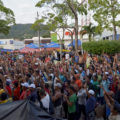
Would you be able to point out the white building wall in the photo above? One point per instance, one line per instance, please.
(19, 44)
(67, 38)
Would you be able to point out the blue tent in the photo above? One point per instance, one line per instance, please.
(52, 45)
(31, 45)
(42, 45)
(79, 43)
(6, 50)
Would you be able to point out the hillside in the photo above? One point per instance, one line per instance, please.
(23, 31)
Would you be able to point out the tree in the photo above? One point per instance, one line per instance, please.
(6, 18)
(106, 13)
(90, 30)
(64, 9)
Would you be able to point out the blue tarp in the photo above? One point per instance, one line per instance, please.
(52, 45)
(49, 45)
(31, 45)
(79, 43)
(6, 50)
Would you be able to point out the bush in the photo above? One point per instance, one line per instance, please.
(99, 47)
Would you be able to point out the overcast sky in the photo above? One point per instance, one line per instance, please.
(24, 10)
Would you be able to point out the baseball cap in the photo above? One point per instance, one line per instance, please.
(8, 80)
(25, 84)
(91, 92)
(32, 86)
(1, 68)
(58, 85)
(36, 63)
(106, 73)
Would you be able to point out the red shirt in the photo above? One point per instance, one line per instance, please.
(9, 90)
(78, 82)
(24, 95)
(17, 93)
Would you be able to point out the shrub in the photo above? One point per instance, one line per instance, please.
(98, 47)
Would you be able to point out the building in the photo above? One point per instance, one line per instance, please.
(7, 43)
(11, 44)
(35, 40)
(66, 35)
(109, 35)
(18, 44)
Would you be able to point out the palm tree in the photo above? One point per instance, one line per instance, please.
(90, 30)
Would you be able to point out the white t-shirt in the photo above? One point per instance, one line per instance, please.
(45, 101)
(67, 56)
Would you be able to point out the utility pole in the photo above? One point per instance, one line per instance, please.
(39, 41)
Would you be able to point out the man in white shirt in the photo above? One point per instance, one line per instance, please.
(81, 102)
(45, 100)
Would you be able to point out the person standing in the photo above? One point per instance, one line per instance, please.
(71, 101)
(90, 104)
(81, 95)
(16, 90)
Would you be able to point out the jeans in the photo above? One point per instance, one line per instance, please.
(91, 115)
(71, 116)
(81, 109)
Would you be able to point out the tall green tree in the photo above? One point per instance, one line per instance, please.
(91, 30)
(106, 13)
(6, 18)
(64, 9)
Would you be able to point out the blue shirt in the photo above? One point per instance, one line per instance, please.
(33, 96)
(90, 105)
(76, 59)
(62, 78)
(105, 84)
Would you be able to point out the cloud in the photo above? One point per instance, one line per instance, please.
(24, 10)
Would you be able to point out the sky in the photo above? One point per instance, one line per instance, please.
(24, 10)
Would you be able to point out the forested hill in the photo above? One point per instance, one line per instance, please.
(22, 31)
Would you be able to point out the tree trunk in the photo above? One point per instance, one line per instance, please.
(90, 38)
(72, 41)
(113, 22)
(115, 32)
(76, 33)
(39, 41)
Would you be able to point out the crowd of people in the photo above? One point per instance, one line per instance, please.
(77, 87)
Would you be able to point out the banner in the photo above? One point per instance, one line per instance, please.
(54, 37)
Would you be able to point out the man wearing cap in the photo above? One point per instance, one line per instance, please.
(25, 91)
(33, 93)
(90, 104)
(57, 99)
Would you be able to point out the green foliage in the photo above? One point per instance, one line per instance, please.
(58, 12)
(4, 28)
(99, 47)
(105, 13)
(6, 18)
(91, 30)
(23, 31)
